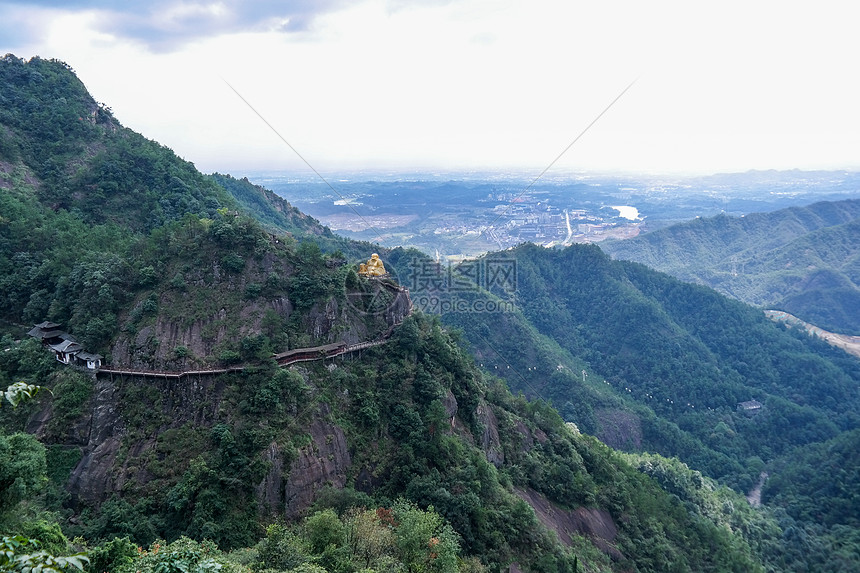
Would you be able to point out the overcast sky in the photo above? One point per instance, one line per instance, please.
(468, 84)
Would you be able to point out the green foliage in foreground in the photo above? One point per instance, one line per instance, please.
(401, 538)
(22, 466)
(24, 555)
(22, 474)
(22, 469)
(19, 392)
(182, 556)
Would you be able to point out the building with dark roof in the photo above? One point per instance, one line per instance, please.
(91, 361)
(66, 349)
(47, 332)
(64, 346)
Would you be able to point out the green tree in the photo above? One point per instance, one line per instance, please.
(112, 555)
(371, 542)
(281, 549)
(182, 556)
(22, 457)
(425, 542)
(324, 529)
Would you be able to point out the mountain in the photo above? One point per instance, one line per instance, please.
(227, 408)
(803, 260)
(102, 231)
(275, 213)
(646, 362)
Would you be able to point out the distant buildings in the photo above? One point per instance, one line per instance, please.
(65, 348)
(750, 407)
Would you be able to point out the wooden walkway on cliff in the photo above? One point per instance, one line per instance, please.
(284, 359)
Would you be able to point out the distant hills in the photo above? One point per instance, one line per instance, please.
(804, 260)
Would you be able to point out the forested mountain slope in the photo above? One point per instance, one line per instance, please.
(140, 256)
(647, 362)
(405, 456)
(274, 212)
(414, 420)
(804, 260)
(686, 354)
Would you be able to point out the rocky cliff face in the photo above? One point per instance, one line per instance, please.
(113, 443)
(117, 453)
(351, 317)
(126, 437)
(289, 490)
(595, 524)
(490, 442)
(153, 347)
(324, 461)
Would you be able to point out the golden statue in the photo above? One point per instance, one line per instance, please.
(373, 267)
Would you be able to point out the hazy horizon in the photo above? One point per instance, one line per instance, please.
(487, 174)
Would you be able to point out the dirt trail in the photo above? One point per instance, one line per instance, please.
(850, 344)
(754, 496)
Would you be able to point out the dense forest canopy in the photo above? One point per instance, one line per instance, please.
(411, 455)
(678, 353)
(649, 363)
(803, 260)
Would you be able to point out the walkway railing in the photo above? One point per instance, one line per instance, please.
(294, 355)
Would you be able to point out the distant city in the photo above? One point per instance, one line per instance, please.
(455, 216)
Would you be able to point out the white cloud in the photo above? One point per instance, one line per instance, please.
(473, 83)
(168, 25)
